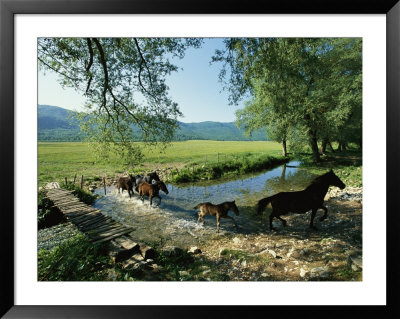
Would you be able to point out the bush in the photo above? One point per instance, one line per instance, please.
(242, 165)
(84, 196)
(47, 216)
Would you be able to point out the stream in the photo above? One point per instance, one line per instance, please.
(174, 220)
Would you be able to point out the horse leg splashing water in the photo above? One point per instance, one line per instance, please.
(126, 183)
(219, 211)
(300, 202)
(151, 190)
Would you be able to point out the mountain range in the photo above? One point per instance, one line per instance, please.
(55, 124)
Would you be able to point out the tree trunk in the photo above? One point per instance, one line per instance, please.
(283, 174)
(314, 145)
(330, 146)
(323, 146)
(284, 148)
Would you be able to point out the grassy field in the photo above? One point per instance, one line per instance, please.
(59, 160)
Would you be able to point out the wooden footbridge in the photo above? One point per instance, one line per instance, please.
(98, 227)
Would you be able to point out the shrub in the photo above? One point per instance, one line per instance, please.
(47, 216)
(83, 195)
(242, 165)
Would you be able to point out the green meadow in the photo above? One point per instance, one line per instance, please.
(65, 159)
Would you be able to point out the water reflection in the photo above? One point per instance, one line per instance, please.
(174, 221)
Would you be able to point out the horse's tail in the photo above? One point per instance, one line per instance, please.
(262, 203)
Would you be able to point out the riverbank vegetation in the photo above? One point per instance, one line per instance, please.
(189, 161)
(246, 163)
(346, 164)
(59, 160)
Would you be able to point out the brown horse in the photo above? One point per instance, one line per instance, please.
(149, 178)
(127, 183)
(151, 190)
(220, 210)
(300, 202)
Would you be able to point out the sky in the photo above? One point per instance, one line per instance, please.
(196, 88)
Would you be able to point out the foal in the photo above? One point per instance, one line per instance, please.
(151, 190)
(220, 210)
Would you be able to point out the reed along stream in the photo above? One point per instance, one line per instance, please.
(174, 221)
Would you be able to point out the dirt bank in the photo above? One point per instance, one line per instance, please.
(295, 253)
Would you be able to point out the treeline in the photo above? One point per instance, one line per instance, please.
(60, 135)
(307, 92)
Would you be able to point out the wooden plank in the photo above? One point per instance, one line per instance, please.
(82, 218)
(63, 192)
(78, 212)
(126, 242)
(66, 201)
(83, 208)
(75, 214)
(108, 233)
(109, 220)
(58, 194)
(98, 218)
(58, 190)
(95, 219)
(59, 197)
(79, 209)
(104, 228)
(112, 236)
(68, 205)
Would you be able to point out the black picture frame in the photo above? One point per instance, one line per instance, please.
(8, 10)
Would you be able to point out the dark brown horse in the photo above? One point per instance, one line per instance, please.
(127, 183)
(149, 178)
(311, 198)
(151, 190)
(220, 210)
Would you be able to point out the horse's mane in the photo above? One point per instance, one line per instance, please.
(318, 180)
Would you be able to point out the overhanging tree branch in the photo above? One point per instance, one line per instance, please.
(89, 43)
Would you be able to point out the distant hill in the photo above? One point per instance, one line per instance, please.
(54, 124)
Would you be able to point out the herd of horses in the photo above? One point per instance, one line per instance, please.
(299, 202)
(146, 185)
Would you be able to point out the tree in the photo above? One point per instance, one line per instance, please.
(270, 106)
(304, 89)
(124, 82)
